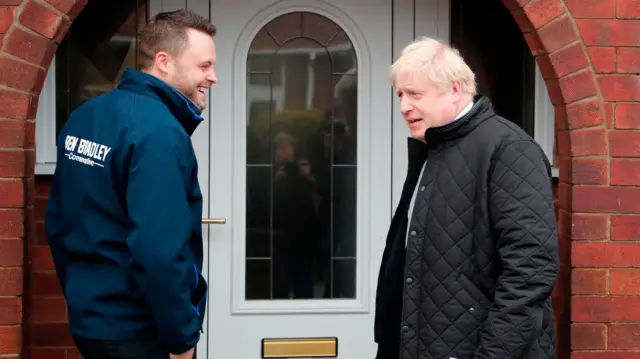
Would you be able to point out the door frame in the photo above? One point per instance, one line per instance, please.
(227, 156)
(431, 18)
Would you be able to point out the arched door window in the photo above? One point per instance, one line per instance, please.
(301, 160)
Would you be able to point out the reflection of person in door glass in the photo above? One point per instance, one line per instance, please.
(124, 214)
(295, 221)
(471, 256)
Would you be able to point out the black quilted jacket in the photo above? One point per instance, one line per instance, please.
(481, 261)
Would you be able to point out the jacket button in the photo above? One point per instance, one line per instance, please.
(413, 233)
(409, 280)
(405, 329)
(421, 188)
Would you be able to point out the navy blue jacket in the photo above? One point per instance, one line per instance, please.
(124, 216)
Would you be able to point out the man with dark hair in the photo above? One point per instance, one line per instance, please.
(124, 215)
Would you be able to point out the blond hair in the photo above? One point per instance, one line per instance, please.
(441, 65)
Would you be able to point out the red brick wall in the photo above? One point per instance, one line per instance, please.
(606, 248)
(46, 322)
(29, 31)
(588, 51)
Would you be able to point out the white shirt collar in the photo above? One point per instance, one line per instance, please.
(465, 110)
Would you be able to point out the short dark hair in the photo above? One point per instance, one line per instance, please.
(167, 31)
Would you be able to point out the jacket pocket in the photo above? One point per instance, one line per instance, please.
(472, 289)
(199, 293)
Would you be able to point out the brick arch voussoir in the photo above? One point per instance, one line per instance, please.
(554, 39)
(26, 50)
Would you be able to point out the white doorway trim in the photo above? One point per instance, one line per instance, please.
(365, 169)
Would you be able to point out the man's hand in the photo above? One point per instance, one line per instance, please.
(186, 355)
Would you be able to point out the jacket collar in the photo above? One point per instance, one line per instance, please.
(183, 108)
(481, 110)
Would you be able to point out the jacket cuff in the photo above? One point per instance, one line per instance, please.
(178, 349)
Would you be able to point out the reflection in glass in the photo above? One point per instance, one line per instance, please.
(301, 160)
(91, 59)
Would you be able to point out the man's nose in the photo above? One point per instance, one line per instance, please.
(213, 78)
(405, 106)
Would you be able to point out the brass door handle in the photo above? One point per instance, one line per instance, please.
(214, 220)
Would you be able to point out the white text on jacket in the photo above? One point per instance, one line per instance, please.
(89, 149)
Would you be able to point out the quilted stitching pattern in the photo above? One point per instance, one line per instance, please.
(481, 259)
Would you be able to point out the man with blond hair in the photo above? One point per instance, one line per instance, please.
(471, 256)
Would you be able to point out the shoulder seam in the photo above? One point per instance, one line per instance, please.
(509, 125)
(506, 145)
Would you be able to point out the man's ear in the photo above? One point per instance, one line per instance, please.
(162, 62)
(457, 88)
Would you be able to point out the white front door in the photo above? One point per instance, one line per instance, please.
(300, 168)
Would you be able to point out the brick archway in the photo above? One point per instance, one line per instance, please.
(553, 34)
(577, 44)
